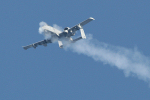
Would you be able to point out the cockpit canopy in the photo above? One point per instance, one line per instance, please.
(67, 28)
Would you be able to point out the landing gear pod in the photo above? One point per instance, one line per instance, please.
(60, 44)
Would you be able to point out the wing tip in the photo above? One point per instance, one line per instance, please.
(24, 47)
(92, 18)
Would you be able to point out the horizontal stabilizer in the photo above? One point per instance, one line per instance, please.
(77, 39)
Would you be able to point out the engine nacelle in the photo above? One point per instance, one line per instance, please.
(66, 29)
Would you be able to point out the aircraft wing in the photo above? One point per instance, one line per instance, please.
(76, 27)
(34, 45)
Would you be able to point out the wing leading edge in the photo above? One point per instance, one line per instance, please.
(76, 27)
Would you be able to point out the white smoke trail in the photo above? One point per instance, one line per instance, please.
(41, 24)
(131, 61)
(58, 27)
(46, 34)
(41, 31)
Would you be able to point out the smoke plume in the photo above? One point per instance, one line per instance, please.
(41, 31)
(46, 34)
(130, 61)
(58, 27)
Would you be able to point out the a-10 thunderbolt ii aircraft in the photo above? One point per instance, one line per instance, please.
(59, 36)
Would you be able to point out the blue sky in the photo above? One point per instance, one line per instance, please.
(52, 73)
